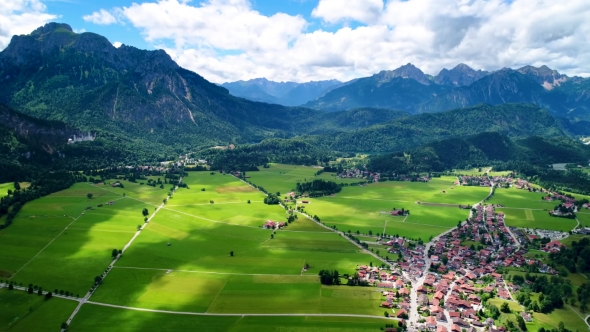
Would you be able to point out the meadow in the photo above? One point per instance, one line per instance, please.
(365, 208)
(99, 318)
(528, 218)
(31, 312)
(62, 241)
(283, 178)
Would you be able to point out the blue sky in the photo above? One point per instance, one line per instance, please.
(303, 40)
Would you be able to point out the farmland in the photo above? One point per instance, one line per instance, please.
(205, 252)
(364, 208)
(99, 318)
(283, 178)
(24, 312)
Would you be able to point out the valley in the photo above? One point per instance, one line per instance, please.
(136, 195)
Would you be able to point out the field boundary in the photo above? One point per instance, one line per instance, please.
(212, 272)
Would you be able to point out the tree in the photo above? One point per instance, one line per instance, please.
(30, 290)
(64, 326)
(231, 253)
(521, 323)
(248, 201)
(115, 253)
(505, 307)
(272, 236)
(97, 280)
(89, 196)
(39, 292)
(16, 185)
(48, 295)
(145, 212)
(11, 287)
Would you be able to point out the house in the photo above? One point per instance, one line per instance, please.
(401, 313)
(431, 322)
(441, 328)
(386, 305)
(526, 316)
(270, 224)
(455, 328)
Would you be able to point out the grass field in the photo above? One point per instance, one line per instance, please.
(527, 218)
(480, 171)
(98, 318)
(67, 245)
(31, 312)
(205, 277)
(223, 293)
(283, 178)
(365, 209)
(518, 198)
(584, 218)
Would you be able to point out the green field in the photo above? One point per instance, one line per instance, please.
(527, 218)
(98, 318)
(364, 209)
(66, 244)
(283, 178)
(480, 171)
(519, 198)
(584, 218)
(31, 312)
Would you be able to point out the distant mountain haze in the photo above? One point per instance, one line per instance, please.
(284, 93)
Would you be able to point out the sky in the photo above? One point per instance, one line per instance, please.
(310, 40)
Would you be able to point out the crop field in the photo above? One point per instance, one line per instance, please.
(100, 318)
(283, 178)
(67, 244)
(31, 312)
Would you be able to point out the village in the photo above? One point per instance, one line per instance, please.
(442, 285)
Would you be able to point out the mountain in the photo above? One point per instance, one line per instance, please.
(546, 77)
(405, 71)
(460, 75)
(409, 89)
(283, 93)
(132, 97)
(379, 91)
(503, 86)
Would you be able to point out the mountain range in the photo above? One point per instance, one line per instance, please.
(283, 93)
(142, 107)
(409, 89)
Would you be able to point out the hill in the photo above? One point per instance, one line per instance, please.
(283, 93)
(513, 120)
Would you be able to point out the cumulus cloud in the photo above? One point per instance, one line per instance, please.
(117, 44)
(227, 40)
(334, 11)
(20, 17)
(101, 17)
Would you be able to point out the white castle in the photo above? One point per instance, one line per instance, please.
(87, 137)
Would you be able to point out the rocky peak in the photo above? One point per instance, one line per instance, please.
(545, 76)
(405, 71)
(461, 75)
(51, 27)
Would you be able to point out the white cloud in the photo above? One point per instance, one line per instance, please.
(117, 44)
(101, 17)
(226, 40)
(21, 17)
(80, 30)
(334, 11)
